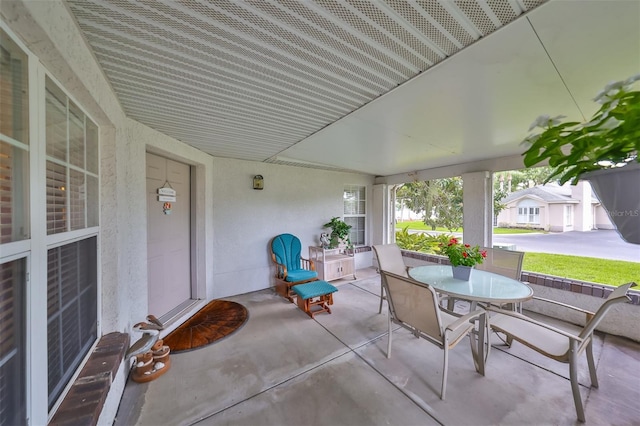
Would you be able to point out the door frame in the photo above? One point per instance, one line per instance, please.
(197, 240)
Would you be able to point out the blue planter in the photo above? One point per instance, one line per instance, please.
(461, 272)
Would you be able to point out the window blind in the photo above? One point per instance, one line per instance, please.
(71, 310)
(12, 344)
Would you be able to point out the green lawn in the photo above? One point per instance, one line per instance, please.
(418, 225)
(602, 271)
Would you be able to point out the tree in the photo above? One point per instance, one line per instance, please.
(439, 199)
(515, 180)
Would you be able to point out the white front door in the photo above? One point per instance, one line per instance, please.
(168, 235)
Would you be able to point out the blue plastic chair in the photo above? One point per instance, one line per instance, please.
(291, 267)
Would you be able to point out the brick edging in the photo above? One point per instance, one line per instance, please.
(83, 403)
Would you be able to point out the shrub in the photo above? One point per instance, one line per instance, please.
(421, 242)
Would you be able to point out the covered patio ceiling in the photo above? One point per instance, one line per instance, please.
(378, 87)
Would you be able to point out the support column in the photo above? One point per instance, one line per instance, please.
(380, 215)
(477, 196)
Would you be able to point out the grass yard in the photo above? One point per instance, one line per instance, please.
(601, 271)
(418, 225)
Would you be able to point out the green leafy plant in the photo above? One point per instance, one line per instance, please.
(462, 254)
(610, 139)
(339, 232)
(419, 241)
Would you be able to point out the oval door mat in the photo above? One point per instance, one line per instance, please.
(215, 321)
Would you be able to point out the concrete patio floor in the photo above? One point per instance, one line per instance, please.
(284, 368)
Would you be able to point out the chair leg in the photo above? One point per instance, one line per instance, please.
(389, 338)
(381, 296)
(445, 369)
(592, 364)
(575, 386)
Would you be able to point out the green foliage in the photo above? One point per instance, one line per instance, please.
(439, 199)
(339, 232)
(419, 241)
(515, 180)
(462, 254)
(610, 139)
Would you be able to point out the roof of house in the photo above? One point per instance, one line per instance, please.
(549, 193)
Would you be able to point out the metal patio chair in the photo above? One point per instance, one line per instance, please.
(555, 343)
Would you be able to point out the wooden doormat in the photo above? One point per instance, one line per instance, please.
(215, 321)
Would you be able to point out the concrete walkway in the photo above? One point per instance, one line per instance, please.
(284, 368)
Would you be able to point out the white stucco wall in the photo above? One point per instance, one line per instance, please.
(555, 219)
(602, 220)
(509, 216)
(294, 200)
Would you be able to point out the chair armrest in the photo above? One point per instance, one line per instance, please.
(518, 315)
(588, 314)
(464, 320)
(309, 262)
(281, 271)
(444, 306)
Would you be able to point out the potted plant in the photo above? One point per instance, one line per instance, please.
(463, 257)
(339, 233)
(603, 151)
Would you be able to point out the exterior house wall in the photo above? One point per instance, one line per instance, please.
(602, 220)
(294, 200)
(509, 216)
(556, 218)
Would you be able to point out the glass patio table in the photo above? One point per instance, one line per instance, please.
(482, 286)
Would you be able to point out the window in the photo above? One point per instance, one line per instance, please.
(355, 212)
(14, 142)
(14, 226)
(72, 164)
(528, 212)
(72, 204)
(568, 215)
(12, 349)
(71, 310)
(68, 167)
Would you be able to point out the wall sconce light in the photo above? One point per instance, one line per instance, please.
(258, 182)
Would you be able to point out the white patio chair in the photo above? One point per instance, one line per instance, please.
(507, 263)
(555, 343)
(415, 306)
(504, 262)
(389, 259)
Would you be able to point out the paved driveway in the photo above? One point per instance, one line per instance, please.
(604, 244)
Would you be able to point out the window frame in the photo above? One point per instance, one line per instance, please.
(353, 233)
(35, 247)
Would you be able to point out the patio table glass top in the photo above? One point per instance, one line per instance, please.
(482, 286)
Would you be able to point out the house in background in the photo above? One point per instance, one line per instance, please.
(555, 208)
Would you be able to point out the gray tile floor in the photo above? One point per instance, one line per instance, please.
(284, 368)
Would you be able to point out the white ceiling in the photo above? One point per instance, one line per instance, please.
(379, 87)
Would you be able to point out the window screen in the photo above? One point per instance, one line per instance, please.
(12, 345)
(71, 310)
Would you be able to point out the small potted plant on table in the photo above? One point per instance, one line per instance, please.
(339, 233)
(463, 257)
(603, 151)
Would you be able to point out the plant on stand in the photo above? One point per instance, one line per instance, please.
(603, 151)
(463, 257)
(339, 233)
